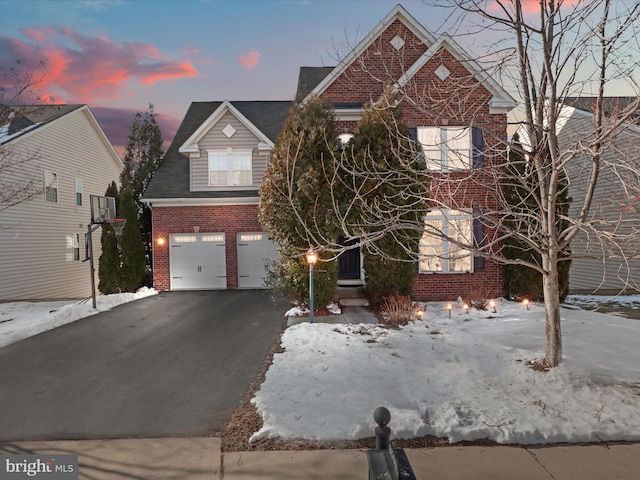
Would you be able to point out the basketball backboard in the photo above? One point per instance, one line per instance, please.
(102, 208)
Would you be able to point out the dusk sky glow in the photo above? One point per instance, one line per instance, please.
(118, 56)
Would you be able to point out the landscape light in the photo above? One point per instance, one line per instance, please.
(466, 307)
(526, 303)
(419, 313)
(492, 304)
(449, 307)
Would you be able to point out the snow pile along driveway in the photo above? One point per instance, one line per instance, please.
(464, 378)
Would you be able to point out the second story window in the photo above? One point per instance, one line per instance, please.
(78, 191)
(446, 148)
(50, 186)
(229, 168)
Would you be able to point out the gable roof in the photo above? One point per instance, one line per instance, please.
(33, 118)
(501, 102)
(612, 105)
(308, 82)
(257, 113)
(309, 78)
(398, 13)
(30, 117)
(171, 180)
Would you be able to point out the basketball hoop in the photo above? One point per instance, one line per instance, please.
(117, 224)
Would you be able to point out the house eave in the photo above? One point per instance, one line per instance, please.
(200, 202)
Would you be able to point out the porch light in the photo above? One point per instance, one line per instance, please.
(312, 258)
(161, 241)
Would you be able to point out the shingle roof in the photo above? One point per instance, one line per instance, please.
(28, 117)
(171, 180)
(309, 78)
(611, 104)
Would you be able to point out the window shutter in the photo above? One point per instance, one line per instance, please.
(478, 147)
(413, 133)
(479, 232)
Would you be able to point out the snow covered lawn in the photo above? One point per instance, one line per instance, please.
(464, 378)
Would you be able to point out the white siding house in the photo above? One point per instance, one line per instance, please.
(600, 265)
(42, 240)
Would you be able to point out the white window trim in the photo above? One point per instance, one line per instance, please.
(75, 245)
(230, 153)
(78, 183)
(444, 149)
(54, 185)
(445, 216)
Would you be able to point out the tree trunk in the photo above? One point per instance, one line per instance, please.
(553, 334)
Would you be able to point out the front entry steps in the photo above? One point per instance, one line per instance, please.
(350, 297)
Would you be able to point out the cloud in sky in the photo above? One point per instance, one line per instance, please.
(83, 69)
(250, 60)
(116, 123)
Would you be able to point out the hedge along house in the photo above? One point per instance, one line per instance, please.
(204, 196)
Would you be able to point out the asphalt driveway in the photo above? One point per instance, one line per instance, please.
(173, 364)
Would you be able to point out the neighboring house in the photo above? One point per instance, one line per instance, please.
(42, 240)
(597, 267)
(204, 196)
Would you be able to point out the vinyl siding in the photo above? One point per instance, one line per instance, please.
(36, 254)
(601, 267)
(242, 139)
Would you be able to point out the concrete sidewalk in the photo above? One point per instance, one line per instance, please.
(200, 458)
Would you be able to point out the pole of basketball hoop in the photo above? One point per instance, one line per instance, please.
(90, 229)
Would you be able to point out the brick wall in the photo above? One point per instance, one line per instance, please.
(426, 99)
(229, 219)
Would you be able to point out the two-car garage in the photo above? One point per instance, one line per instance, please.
(198, 260)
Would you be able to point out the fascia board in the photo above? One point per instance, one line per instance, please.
(84, 109)
(200, 202)
(191, 145)
(112, 151)
(501, 102)
(398, 13)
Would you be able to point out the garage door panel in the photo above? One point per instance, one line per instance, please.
(254, 248)
(198, 261)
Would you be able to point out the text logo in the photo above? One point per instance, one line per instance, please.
(49, 467)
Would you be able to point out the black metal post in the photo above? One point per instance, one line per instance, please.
(382, 417)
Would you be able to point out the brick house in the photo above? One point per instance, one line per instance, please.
(204, 197)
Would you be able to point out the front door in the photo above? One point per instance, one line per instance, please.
(349, 262)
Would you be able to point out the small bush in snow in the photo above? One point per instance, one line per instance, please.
(398, 310)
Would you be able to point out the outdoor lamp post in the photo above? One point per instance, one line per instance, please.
(312, 258)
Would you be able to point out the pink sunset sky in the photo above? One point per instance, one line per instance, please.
(118, 56)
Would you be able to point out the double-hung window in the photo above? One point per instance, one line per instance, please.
(446, 148)
(228, 168)
(78, 191)
(50, 186)
(442, 246)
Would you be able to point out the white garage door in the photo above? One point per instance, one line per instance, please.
(197, 261)
(253, 249)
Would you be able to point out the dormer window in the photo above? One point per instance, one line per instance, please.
(229, 168)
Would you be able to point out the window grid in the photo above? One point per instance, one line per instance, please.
(50, 186)
(446, 148)
(231, 169)
(437, 254)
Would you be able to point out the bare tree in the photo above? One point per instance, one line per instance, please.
(549, 51)
(19, 97)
